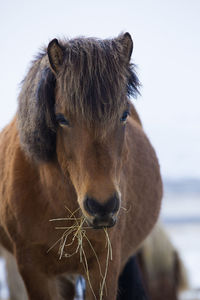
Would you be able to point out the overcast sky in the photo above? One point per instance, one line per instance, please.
(166, 37)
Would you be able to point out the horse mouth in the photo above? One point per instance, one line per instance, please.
(102, 222)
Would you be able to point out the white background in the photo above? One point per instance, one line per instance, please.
(166, 36)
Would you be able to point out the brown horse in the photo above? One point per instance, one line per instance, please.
(77, 142)
(163, 271)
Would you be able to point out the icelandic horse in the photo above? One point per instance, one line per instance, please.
(77, 142)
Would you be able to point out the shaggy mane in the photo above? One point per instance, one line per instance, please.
(94, 82)
(96, 78)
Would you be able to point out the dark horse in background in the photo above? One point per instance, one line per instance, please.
(77, 142)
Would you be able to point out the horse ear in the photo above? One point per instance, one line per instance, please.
(55, 54)
(127, 44)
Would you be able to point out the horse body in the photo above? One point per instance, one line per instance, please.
(92, 168)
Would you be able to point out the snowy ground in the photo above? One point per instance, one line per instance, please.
(3, 286)
(181, 216)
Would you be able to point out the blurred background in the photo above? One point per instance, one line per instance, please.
(166, 37)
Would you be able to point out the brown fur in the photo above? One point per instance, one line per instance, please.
(16, 286)
(45, 166)
(163, 271)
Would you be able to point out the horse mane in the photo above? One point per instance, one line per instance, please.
(94, 82)
(96, 78)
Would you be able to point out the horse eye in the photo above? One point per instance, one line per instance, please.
(124, 116)
(61, 120)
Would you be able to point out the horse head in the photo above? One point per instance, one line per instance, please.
(79, 117)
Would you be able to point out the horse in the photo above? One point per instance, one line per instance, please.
(130, 283)
(162, 274)
(76, 152)
(163, 271)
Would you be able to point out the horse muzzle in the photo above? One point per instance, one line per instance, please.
(102, 222)
(102, 214)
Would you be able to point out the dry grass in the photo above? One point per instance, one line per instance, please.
(74, 235)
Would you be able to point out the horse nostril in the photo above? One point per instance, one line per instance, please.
(94, 208)
(91, 206)
(112, 205)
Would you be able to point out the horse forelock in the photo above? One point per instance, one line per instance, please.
(94, 83)
(95, 79)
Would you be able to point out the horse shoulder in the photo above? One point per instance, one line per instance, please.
(143, 187)
(17, 184)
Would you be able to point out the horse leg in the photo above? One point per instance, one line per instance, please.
(39, 284)
(130, 284)
(41, 287)
(67, 285)
(95, 280)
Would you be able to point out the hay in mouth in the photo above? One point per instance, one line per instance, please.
(74, 235)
